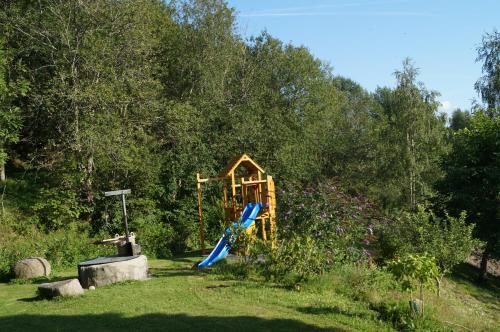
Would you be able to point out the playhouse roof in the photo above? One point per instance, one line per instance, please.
(242, 160)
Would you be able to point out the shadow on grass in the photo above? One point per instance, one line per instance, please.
(469, 273)
(35, 281)
(332, 310)
(217, 286)
(152, 322)
(487, 291)
(165, 273)
(160, 272)
(184, 257)
(30, 299)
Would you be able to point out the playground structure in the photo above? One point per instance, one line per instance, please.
(248, 196)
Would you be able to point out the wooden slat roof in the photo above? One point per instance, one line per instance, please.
(242, 160)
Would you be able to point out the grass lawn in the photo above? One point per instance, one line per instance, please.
(180, 299)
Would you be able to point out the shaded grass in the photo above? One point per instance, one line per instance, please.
(159, 322)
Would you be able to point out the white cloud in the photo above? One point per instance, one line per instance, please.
(446, 105)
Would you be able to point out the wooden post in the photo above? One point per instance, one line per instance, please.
(261, 197)
(244, 198)
(272, 210)
(233, 196)
(200, 214)
(225, 202)
(224, 188)
(261, 192)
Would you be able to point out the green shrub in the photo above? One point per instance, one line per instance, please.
(397, 313)
(415, 271)
(62, 248)
(296, 259)
(154, 236)
(234, 270)
(68, 247)
(57, 208)
(448, 240)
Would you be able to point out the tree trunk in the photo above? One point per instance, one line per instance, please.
(438, 284)
(422, 299)
(484, 266)
(88, 180)
(2, 173)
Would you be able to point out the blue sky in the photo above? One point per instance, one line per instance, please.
(367, 40)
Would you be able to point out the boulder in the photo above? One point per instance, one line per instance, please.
(32, 267)
(70, 287)
(416, 306)
(109, 270)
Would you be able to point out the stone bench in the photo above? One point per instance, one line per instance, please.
(109, 270)
(70, 287)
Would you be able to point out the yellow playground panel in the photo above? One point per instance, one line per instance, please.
(243, 182)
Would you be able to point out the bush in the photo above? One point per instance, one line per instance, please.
(448, 240)
(342, 225)
(57, 208)
(294, 260)
(415, 271)
(154, 236)
(236, 270)
(68, 247)
(397, 313)
(62, 248)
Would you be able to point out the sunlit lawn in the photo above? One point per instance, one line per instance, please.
(178, 298)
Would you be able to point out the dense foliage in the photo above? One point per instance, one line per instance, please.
(448, 240)
(472, 181)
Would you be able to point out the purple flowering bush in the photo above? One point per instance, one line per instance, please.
(342, 225)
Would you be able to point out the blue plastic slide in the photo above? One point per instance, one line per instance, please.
(223, 246)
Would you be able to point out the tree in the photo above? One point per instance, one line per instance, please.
(472, 180)
(414, 270)
(91, 110)
(459, 119)
(411, 140)
(10, 115)
(449, 240)
(488, 86)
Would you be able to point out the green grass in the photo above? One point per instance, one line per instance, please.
(178, 298)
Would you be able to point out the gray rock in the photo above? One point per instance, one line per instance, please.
(135, 268)
(70, 287)
(416, 306)
(32, 267)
